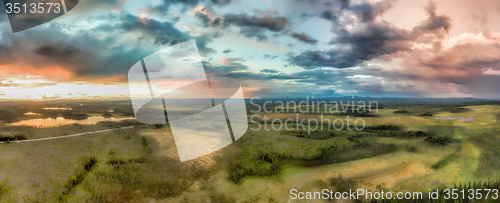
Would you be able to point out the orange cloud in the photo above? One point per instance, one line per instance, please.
(54, 73)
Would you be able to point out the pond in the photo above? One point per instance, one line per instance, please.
(51, 122)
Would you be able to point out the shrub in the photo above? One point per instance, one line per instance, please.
(443, 162)
(403, 134)
(107, 115)
(426, 114)
(253, 162)
(342, 185)
(411, 149)
(88, 164)
(158, 126)
(401, 111)
(75, 116)
(359, 149)
(221, 198)
(364, 115)
(459, 110)
(116, 161)
(8, 114)
(145, 145)
(383, 127)
(354, 138)
(356, 114)
(438, 140)
(19, 136)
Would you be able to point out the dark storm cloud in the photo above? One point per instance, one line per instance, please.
(438, 25)
(202, 43)
(457, 65)
(345, 3)
(272, 71)
(56, 51)
(205, 19)
(93, 53)
(254, 32)
(368, 39)
(221, 2)
(329, 15)
(163, 33)
(251, 26)
(367, 12)
(332, 58)
(275, 24)
(304, 38)
(166, 4)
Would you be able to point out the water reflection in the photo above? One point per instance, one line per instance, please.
(32, 114)
(57, 108)
(50, 122)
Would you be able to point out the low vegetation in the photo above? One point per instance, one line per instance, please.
(3, 190)
(402, 134)
(401, 111)
(17, 136)
(342, 184)
(443, 162)
(426, 114)
(88, 164)
(253, 162)
(383, 127)
(438, 140)
(459, 110)
(129, 165)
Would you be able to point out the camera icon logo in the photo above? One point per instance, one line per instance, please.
(204, 113)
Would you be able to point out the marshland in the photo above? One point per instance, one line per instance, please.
(404, 146)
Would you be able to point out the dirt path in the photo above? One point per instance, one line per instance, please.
(64, 136)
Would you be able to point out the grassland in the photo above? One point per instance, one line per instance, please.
(409, 151)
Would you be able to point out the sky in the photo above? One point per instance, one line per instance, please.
(275, 48)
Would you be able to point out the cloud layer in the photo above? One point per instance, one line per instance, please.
(276, 48)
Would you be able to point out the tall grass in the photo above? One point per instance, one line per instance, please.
(145, 174)
(487, 141)
(88, 164)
